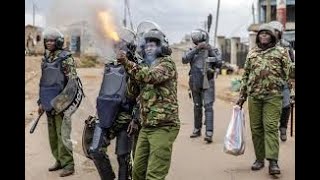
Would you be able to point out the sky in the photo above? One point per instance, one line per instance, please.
(175, 17)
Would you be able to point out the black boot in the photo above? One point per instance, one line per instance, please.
(103, 164)
(283, 134)
(67, 171)
(285, 114)
(257, 165)
(55, 167)
(196, 133)
(208, 137)
(209, 122)
(273, 167)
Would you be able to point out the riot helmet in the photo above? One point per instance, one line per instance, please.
(199, 35)
(155, 35)
(269, 30)
(142, 28)
(56, 35)
(277, 27)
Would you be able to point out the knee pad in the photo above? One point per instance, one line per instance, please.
(123, 143)
(287, 108)
(123, 159)
(208, 107)
(125, 167)
(94, 152)
(197, 105)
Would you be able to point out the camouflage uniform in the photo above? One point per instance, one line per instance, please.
(158, 104)
(266, 72)
(61, 153)
(121, 123)
(133, 90)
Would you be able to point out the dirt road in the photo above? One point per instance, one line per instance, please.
(192, 159)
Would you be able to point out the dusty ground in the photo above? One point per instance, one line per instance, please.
(192, 159)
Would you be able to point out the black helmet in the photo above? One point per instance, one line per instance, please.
(154, 35)
(157, 36)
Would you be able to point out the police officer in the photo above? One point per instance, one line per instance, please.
(267, 69)
(285, 114)
(115, 109)
(204, 60)
(158, 104)
(58, 74)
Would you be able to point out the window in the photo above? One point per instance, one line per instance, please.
(38, 38)
(273, 13)
(291, 9)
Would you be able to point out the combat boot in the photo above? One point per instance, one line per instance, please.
(283, 134)
(273, 167)
(257, 165)
(196, 133)
(208, 137)
(67, 172)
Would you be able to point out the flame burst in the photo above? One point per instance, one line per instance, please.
(108, 26)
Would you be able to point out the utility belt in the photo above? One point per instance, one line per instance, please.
(161, 125)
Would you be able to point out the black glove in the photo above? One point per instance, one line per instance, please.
(131, 47)
(203, 45)
(122, 57)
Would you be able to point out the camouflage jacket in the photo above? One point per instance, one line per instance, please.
(121, 123)
(155, 89)
(265, 72)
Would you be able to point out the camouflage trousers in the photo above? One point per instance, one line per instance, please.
(153, 153)
(60, 151)
(264, 122)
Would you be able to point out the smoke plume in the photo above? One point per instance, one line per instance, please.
(66, 12)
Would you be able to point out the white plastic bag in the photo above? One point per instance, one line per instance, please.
(234, 141)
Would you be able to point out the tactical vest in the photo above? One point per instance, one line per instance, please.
(112, 95)
(52, 79)
(196, 70)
